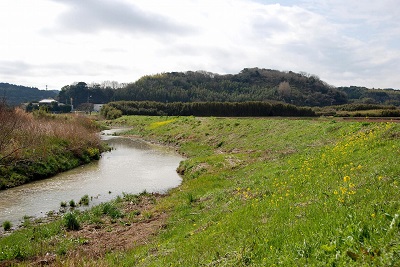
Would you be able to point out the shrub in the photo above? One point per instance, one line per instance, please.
(84, 200)
(72, 203)
(7, 225)
(71, 222)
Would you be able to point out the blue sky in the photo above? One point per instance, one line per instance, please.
(59, 42)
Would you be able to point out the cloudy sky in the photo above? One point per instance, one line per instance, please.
(59, 42)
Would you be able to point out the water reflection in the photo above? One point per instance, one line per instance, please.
(131, 167)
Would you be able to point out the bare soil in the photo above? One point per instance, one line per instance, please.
(95, 240)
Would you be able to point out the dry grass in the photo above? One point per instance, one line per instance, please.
(40, 138)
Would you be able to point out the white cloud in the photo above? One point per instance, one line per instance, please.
(60, 42)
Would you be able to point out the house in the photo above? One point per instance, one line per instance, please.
(47, 102)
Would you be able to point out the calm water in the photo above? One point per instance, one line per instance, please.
(131, 167)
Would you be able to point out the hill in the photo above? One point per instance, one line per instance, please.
(356, 94)
(17, 94)
(251, 84)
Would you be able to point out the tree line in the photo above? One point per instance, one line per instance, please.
(224, 109)
(250, 84)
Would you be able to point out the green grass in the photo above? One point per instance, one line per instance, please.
(38, 239)
(269, 192)
(265, 192)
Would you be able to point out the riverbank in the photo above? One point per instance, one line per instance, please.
(38, 145)
(264, 192)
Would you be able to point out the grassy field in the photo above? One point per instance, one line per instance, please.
(273, 192)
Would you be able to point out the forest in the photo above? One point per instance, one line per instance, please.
(250, 84)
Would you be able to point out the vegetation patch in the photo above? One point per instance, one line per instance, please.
(38, 145)
(256, 192)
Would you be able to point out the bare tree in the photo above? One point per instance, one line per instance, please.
(284, 89)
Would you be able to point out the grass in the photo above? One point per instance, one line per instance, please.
(84, 200)
(37, 239)
(39, 145)
(265, 192)
(268, 192)
(71, 222)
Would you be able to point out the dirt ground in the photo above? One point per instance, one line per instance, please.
(110, 236)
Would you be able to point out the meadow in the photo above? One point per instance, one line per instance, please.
(266, 192)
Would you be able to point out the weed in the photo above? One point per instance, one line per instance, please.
(147, 215)
(7, 225)
(72, 203)
(111, 210)
(190, 198)
(84, 200)
(71, 222)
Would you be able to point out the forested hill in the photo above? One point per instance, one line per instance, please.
(17, 94)
(251, 84)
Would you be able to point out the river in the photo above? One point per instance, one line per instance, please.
(133, 166)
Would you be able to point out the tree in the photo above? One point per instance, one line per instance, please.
(284, 90)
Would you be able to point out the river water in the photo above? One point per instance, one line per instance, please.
(131, 167)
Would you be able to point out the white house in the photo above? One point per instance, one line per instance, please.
(47, 101)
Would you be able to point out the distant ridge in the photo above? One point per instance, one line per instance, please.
(17, 94)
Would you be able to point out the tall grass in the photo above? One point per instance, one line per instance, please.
(34, 146)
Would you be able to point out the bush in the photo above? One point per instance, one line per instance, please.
(7, 225)
(84, 200)
(71, 222)
(72, 203)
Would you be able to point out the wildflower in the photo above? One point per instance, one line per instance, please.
(373, 215)
(346, 178)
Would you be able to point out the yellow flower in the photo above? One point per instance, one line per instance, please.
(373, 215)
(346, 178)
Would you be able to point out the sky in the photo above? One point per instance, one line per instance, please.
(55, 43)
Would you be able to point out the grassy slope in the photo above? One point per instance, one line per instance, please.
(265, 192)
(262, 192)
